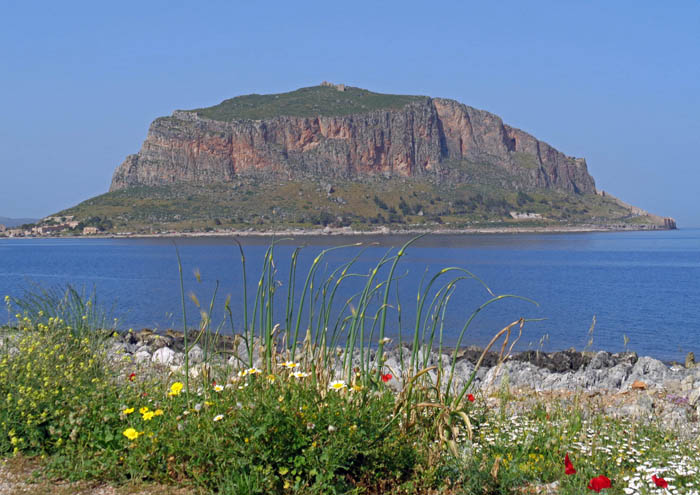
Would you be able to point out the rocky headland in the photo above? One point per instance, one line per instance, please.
(415, 139)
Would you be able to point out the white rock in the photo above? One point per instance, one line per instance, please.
(196, 355)
(164, 356)
(687, 383)
(694, 397)
(142, 357)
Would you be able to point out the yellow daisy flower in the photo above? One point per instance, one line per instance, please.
(131, 434)
(175, 389)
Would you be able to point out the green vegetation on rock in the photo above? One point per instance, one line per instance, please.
(305, 102)
(398, 203)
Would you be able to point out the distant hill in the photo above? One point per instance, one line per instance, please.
(343, 156)
(15, 222)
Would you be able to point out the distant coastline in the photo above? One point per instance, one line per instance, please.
(347, 231)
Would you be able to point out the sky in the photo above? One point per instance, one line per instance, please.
(617, 83)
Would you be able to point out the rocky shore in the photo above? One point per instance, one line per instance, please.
(621, 384)
(347, 231)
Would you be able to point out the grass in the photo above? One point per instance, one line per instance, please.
(305, 102)
(305, 404)
(253, 203)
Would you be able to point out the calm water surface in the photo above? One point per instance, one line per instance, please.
(643, 285)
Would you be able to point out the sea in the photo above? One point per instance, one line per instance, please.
(614, 291)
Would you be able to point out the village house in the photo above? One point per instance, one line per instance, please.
(2, 228)
(89, 230)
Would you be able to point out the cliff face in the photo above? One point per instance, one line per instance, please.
(420, 138)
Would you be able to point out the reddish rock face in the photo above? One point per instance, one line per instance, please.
(410, 141)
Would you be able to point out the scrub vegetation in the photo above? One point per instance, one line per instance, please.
(266, 204)
(305, 102)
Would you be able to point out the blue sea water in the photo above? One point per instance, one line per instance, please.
(642, 285)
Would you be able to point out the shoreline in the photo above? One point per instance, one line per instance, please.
(347, 231)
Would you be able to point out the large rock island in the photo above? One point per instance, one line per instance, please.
(337, 156)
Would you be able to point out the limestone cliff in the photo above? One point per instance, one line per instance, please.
(326, 131)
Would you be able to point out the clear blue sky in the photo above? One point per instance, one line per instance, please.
(616, 82)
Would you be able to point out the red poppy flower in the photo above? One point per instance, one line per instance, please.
(387, 377)
(568, 467)
(599, 483)
(132, 376)
(660, 482)
(470, 398)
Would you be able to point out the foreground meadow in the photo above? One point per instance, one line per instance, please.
(291, 430)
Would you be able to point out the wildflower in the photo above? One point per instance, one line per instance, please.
(310, 426)
(337, 385)
(356, 388)
(300, 374)
(148, 415)
(385, 340)
(331, 428)
(128, 411)
(131, 434)
(290, 365)
(158, 412)
(470, 398)
(198, 407)
(660, 482)
(175, 389)
(143, 410)
(568, 466)
(218, 417)
(242, 373)
(387, 377)
(599, 483)
(132, 376)
(253, 371)
(218, 388)
(271, 378)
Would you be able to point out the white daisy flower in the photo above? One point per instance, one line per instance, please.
(337, 385)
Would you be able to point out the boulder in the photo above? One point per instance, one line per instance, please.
(164, 356)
